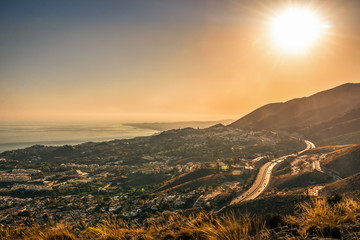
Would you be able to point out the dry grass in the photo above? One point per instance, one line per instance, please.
(57, 232)
(319, 217)
(178, 226)
(232, 228)
(115, 228)
(323, 218)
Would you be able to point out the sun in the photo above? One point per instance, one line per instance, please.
(296, 29)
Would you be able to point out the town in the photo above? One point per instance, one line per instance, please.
(140, 178)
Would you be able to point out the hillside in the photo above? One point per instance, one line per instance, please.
(345, 162)
(327, 149)
(273, 204)
(349, 184)
(209, 180)
(324, 115)
(164, 126)
(341, 127)
(301, 180)
(187, 177)
(300, 171)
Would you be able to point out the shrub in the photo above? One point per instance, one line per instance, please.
(326, 218)
(231, 227)
(58, 232)
(334, 199)
(273, 220)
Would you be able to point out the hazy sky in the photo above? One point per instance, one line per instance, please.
(161, 60)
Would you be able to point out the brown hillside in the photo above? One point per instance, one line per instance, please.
(187, 177)
(301, 180)
(347, 138)
(343, 124)
(345, 162)
(286, 204)
(349, 184)
(327, 114)
(327, 149)
(202, 181)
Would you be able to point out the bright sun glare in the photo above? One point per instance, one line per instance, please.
(296, 29)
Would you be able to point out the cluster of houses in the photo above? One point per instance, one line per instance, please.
(21, 212)
(10, 177)
(18, 175)
(24, 211)
(78, 166)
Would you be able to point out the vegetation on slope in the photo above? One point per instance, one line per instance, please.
(345, 162)
(301, 180)
(346, 185)
(187, 177)
(348, 138)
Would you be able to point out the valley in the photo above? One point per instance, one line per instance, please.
(246, 166)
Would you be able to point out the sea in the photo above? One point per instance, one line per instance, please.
(16, 136)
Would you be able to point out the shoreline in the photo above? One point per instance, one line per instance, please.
(20, 136)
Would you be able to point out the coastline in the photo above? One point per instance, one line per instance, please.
(19, 136)
(23, 136)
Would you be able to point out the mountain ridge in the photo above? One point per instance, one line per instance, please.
(338, 106)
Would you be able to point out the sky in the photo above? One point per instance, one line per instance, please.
(162, 60)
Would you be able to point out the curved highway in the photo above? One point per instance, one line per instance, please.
(263, 178)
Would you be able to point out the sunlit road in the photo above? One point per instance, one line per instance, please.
(316, 165)
(263, 178)
(309, 145)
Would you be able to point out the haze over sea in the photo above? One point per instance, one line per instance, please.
(15, 136)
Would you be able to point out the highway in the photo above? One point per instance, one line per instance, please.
(263, 178)
(309, 145)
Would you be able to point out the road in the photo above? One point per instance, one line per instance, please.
(263, 178)
(316, 165)
(309, 145)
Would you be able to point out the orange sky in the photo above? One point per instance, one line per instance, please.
(208, 62)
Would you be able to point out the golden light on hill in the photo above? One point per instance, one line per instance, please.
(296, 29)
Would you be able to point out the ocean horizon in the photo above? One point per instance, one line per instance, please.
(18, 136)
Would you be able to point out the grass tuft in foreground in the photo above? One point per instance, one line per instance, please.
(327, 218)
